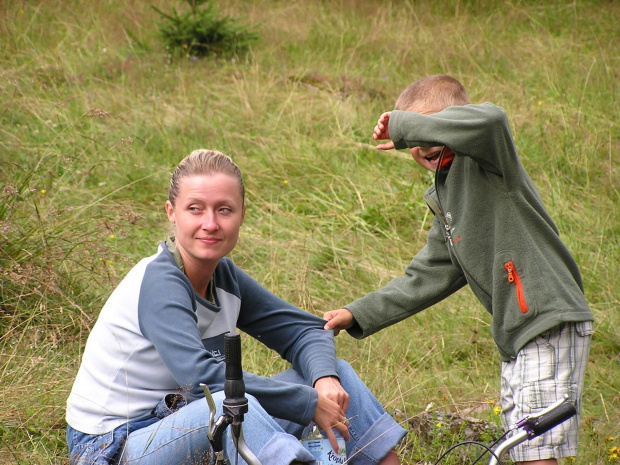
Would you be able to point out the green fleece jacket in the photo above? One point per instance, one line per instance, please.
(490, 231)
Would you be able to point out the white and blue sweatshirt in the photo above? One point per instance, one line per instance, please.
(156, 336)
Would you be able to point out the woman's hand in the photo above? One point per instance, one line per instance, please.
(331, 409)
(338, 320)
(382, 131)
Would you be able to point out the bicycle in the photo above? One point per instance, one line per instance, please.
(525, 429)
(235, 406)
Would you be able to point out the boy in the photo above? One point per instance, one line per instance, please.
(492, 232)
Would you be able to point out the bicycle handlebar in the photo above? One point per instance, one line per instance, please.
(535, 425)
(546, 421)
(234, 386)
(234, 406)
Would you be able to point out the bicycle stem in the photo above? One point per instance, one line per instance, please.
(216, 431)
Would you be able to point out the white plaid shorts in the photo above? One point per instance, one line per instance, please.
(549, 366)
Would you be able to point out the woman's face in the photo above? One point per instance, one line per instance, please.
(207, 214)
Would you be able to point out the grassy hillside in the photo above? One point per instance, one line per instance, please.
(95, 113)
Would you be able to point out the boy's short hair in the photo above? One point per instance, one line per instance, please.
(433, 93)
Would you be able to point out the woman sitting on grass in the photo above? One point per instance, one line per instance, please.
(161, 334)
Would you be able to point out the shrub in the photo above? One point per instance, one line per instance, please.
(203, 32)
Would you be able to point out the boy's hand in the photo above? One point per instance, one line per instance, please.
(382, 131)
(331, 409)
(338, 320)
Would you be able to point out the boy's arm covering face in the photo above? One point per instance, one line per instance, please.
(477, 131)
(429, 278)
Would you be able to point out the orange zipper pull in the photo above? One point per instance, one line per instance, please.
(513, 277)
(510, 267)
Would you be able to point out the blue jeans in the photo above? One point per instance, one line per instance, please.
(181, 437)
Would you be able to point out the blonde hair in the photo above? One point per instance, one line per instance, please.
(201, 162)
(433, 93)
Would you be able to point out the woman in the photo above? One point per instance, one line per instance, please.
(161, 333)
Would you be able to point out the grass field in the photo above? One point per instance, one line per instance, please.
(95, 113)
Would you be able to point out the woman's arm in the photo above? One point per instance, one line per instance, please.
(297, 335)
(169, 321)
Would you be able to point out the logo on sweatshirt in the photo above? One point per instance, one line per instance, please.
(451, 229)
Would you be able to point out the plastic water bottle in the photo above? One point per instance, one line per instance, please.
(319, 446)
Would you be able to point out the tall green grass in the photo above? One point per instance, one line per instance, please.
(95, 113)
